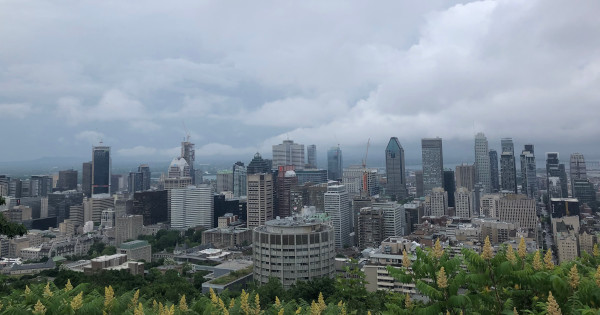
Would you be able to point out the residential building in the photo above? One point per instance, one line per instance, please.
(463, 207)
(128, 228)
(518, 209)
(260, 199)
(286, 179)
(370, 227)
(436, 203)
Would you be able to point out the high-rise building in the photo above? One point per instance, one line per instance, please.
(370, 227)
(465, 176)
(312, 156)
(239, 179)
(508, 166)
(584, 191)
(188, 153)
(94, 206)
(101, 169)
(449, 186)
(192, 206)
(314, 176)
(518, 209)
(463, 203)
(136, 182)
(152, 205)
(145, 170)
(179, 168)
(395, 170)
(436, 203)
(288, 153)
(67, 180)
(419, 183)
(529, 184)
(40, 185)
(260, 199)
(494, 174)
(482, 162)
(334, 163)
(577, 169)
(433, 164)
(337, 205)
(86, 179)
(286, 179)
(224, 181)
(128, 228)
(258, 165)
(394, 218)
(308, 251)
(556, 169)
(117, 183)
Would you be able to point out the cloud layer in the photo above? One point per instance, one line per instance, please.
(243, 76)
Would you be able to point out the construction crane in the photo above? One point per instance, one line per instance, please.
(365, 177)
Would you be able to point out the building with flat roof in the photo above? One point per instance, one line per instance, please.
(137, 250)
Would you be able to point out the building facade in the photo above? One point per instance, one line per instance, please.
(433, 164)
(334, 163)
(101, 170)
(260, 199)
(337, 206)
(482, 162)
(395, 170)
(192, 206)
(288, 153)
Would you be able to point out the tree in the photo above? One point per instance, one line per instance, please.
(10, 229)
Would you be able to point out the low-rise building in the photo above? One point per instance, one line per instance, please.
(137, 250)
(227, 237)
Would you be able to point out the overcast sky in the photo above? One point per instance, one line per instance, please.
(243, 75)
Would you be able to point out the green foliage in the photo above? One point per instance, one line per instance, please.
(10, 229)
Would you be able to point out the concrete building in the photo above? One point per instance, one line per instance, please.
(293, 250)
(227, 237)
(224, 181)
(518, 209)
(482, 162)
(370, 227)
(137, 250)
(433, 164)
(260, 199)
(288, 153)
(192, 206)
(286, 179)
(128, 228)
(308, 195)
(394, 222)
(566, 231)
(314, 176)
(577, 170)
(463, 203)
(395, 170)
(337, 206)
(488, 205)
(436, 203)
(389, 254)
(93, 207)
(508, 166)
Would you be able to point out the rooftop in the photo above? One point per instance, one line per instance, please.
(134, 244)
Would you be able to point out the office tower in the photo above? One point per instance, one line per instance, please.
(224, 181)
(395, 170)
(584, 191)
(518, 209)
(463, 203)
(136, 182)
(419, 183)
(529, 185)
(394, 218)
(577, 169)
(101, 169)
(465, 176)
(337, 205)
(508, 166)
(482, 162)
(563, 207)
(128, 228)
(436, 203)
(494, 174)
(314, 176)
(258, 165)
(40, 185)
(67, 180)
(370, 227)
(191, 207)
(117, 184)
(312, 156)
(153, 206)
(449, 186)
(239, 179)
(179, 167)
(188, 153)
(309, 251)
(334, 163)
(433, 164)
(555, 169)
(145, 170)
(288, 153)
(94, 206)
(59, 204)
(308, 195)
(286, 179)
(260, 199)
(86, 179)
(5, 185)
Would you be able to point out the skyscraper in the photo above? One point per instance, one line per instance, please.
(419, 183)
(482, 162)
(239, 179)
(135, 181)
(334, 163)
(436, 203)
(192, 206)
(312, 156)
(577, 169)
(433, 164)
(288, 153)
(449, 186)
(463, 203)
(189, 154)
(260, 199)
(508, 166)
(101, 168)
(494, 176)
(86, 179)
(286, 179)
(67, 180)
(529, 185)
(258, 165)
(465, 176)
(145, 170)
(555, 169)
(395, 170)
(337, 205)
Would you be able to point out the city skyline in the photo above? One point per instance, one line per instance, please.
(447, 69)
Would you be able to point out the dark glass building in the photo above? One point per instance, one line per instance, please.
(67, 180)
(153, 205)
(334, 163)
(395, 170)
(258, 165)
(494, 174)
(86, 179)
(449, 186)
(101, 168)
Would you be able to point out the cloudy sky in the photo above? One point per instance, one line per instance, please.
(244, 75)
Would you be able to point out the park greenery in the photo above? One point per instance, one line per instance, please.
(508, 281)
